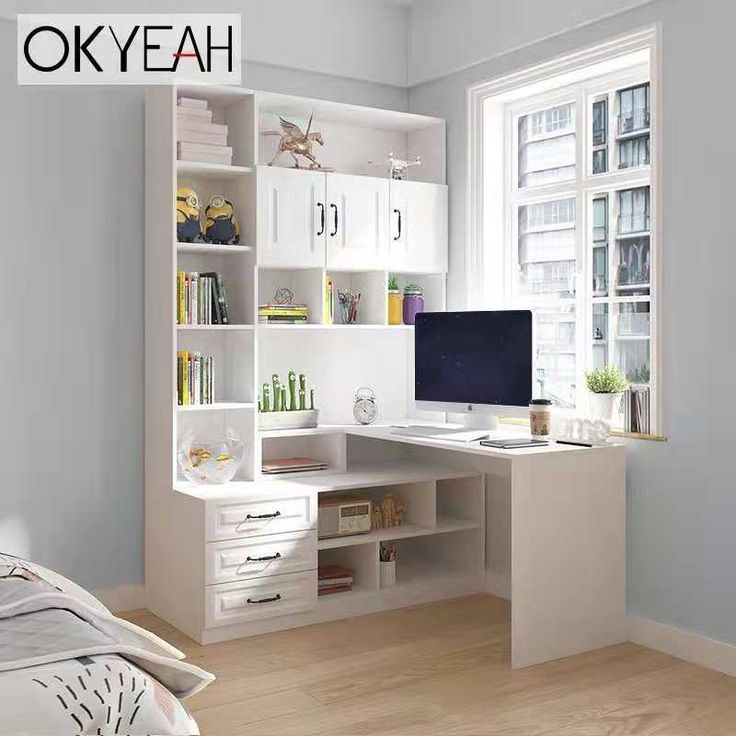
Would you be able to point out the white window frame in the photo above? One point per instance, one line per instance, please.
(491, 224)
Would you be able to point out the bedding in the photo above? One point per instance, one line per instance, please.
(68, 666)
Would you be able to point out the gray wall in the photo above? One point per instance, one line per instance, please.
(71, 184)
(682, 493)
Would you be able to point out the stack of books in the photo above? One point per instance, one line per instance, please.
(637, 415)
(195, 378)
(292, 465)
(334, 579)
(201, 299)
(197, 137)
(282, 314)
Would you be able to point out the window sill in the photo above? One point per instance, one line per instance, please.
(614, 432)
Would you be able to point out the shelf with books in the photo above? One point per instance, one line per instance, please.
(230, 284)
(232, 353)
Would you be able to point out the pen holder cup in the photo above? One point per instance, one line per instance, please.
(388, 574)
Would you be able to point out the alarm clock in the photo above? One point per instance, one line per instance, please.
(365, 408)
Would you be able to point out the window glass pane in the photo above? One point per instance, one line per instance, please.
(600, 136)
(546, 284)
(633, 260)
(633, 109)
(600, 121)
(633, 330)
(633, 152)
(600, 246)
(600, 335)
(547, 146)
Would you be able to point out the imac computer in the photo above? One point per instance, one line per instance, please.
(476, 363)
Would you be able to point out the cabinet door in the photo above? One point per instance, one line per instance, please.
(357, 222)
(418, 230)
(291, 218)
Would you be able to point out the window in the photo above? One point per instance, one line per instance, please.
(567, 225)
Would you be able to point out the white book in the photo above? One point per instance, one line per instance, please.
(205, 148)
(193, 113)
(192, 135)
(190, 102)
(203, 158)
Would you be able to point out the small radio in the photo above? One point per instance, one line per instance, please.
(341, 515)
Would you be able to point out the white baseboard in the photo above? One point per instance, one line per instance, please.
(123, 598)
(711, 653)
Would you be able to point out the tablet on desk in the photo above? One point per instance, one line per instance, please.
(514, 443)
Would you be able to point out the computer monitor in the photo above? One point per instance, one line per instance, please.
(479, 363)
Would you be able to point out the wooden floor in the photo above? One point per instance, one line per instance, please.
(442, 670)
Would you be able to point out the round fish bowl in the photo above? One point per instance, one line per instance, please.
(211, 461)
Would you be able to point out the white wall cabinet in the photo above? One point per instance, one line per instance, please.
(292, 218)
(418, 227)
(310, 219)
(357, 222)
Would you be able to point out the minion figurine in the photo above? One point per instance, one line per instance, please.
(188, 226)
(221, 226)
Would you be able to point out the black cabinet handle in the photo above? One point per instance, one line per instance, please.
(267, 558)
(334, 232)
(321, 218)
(274, 515)
(398, 213)
(252, 602)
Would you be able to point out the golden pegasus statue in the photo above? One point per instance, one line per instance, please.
(296, 142)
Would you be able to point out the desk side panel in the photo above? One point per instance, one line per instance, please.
(568, 553)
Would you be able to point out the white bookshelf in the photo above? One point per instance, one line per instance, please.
(282, 245)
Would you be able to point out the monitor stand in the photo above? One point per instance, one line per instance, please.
(473, 420)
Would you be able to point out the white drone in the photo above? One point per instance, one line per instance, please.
(397, 167)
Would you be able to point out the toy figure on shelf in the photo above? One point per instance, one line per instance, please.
(297, 143)
(221, 226)
(188, 227)
(390, 512)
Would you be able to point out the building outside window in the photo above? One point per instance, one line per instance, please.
(578, 246)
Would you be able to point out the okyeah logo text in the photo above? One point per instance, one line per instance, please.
(129, 49)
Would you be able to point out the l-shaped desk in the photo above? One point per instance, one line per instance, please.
(555, 535)
(544, 527)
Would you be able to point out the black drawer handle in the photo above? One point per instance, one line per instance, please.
(267, 558)
(275, 598)
(254, 517)
(321, 218)
(334, 232)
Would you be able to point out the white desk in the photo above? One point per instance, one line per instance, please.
(555, 536)
(544, 527)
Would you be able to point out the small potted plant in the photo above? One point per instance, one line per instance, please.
(605, 385)
(395, 315)
(413, 302)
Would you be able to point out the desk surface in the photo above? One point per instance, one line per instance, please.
(388, 433)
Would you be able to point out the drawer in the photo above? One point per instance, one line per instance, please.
(237, 519)
(253, 600)
(275, 554)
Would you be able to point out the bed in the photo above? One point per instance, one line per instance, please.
(68, 666)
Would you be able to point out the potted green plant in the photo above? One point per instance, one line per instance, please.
(605, 385)
(395, 316)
